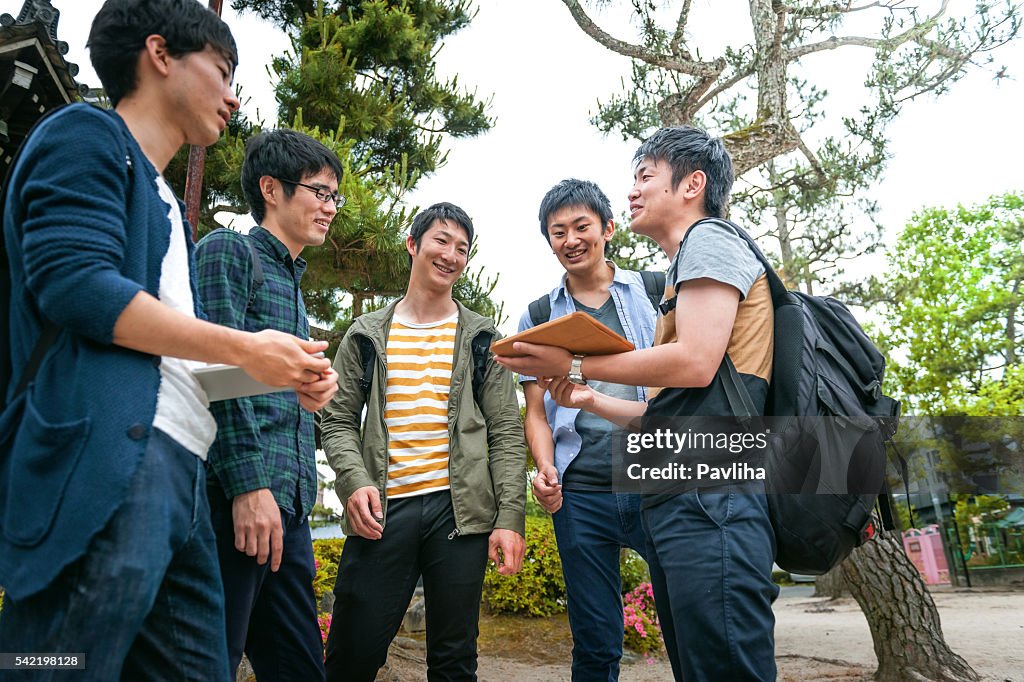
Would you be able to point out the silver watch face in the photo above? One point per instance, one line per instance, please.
(577, 379)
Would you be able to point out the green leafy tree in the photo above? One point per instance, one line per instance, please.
(956, 310)
(360, 77)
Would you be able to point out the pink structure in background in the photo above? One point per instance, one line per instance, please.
(924, 547)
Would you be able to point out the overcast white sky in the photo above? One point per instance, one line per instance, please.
(546, 77)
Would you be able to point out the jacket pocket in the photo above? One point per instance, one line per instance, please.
(40, 463)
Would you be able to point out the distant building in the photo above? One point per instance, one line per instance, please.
(34, 76)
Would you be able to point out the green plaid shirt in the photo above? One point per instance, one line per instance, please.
(265, 441)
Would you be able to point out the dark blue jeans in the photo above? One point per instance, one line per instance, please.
(591, 529)
(270, 616)
(145, 602)
(711, 559)
(376, 580)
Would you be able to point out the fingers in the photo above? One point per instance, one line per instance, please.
(547, 490)
(365, 514)
(276, 547)
(257, 524)
(312, 346)
(315, 395)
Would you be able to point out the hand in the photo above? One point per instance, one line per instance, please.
(279, 359)
(257, 522)
(537, 361)
(505, 548)
(364, 513)
(568, 394)
(316, 394)
(547, 489)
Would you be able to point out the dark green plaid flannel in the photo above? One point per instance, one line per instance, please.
(263, 441)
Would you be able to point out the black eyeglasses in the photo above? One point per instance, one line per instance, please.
(321, 194)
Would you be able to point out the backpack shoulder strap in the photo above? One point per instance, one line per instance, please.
(540, 310)
(481, 350)
(368, 354)
(654, 284)
(257, 271)
(775, 283)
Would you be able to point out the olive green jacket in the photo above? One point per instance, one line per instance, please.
(487, 451)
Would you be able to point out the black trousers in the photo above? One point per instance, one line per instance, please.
(376, 580)
(270, 616)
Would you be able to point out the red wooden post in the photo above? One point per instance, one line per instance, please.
(196, 168)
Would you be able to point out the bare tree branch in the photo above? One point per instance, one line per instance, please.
(679, 37)
(915, 33)
(690, 67)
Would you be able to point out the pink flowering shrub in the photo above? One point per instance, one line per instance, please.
(324, 619)
(641, 630)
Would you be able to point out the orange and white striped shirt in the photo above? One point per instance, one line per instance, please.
(416, 405)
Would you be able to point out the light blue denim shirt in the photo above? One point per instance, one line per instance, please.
(637, 317)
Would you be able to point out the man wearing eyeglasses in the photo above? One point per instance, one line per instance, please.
(261, 470)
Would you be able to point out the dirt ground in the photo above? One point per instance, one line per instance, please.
(816, 639)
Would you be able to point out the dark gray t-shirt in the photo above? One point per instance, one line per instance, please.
(591, 469)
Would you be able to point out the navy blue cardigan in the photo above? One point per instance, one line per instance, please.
(86, 230)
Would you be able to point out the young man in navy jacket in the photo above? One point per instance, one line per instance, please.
(106, 549)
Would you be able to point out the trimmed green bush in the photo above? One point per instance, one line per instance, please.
(326, 554)
(538, 589)
(633, 569)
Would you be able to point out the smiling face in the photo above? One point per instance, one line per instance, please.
(440, 258)
(302, 219)
(653, 205)
(578, 238)
(200, 91)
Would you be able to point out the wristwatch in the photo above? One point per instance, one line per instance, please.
(576, 371)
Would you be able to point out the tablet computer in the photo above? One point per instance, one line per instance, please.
(224, 382)
(578, 333)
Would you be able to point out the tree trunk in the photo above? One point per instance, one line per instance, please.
(832, 584)
(902, 616)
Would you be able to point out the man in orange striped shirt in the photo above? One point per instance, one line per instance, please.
(433, 477)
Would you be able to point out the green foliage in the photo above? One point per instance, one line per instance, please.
(631, 251)
(360, 78)
(955, 309)
(633, 570)
(326, 555)
(538, 589)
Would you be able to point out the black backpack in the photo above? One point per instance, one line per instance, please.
(824, 365)
(654, 284)
(481, 350)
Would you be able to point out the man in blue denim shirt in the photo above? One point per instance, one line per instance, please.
(710, 548)
(572, 449)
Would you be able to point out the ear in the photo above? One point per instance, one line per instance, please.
(410, 245)
(693, 186)
(609, 230)
(270, 190)
(155, 54)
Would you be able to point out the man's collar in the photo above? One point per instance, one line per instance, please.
(618, 276)
(276, 246)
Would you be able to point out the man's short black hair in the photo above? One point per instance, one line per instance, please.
(121, 27)
(573, 192)
(285, 155)
(443, 211)
(687, 149)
